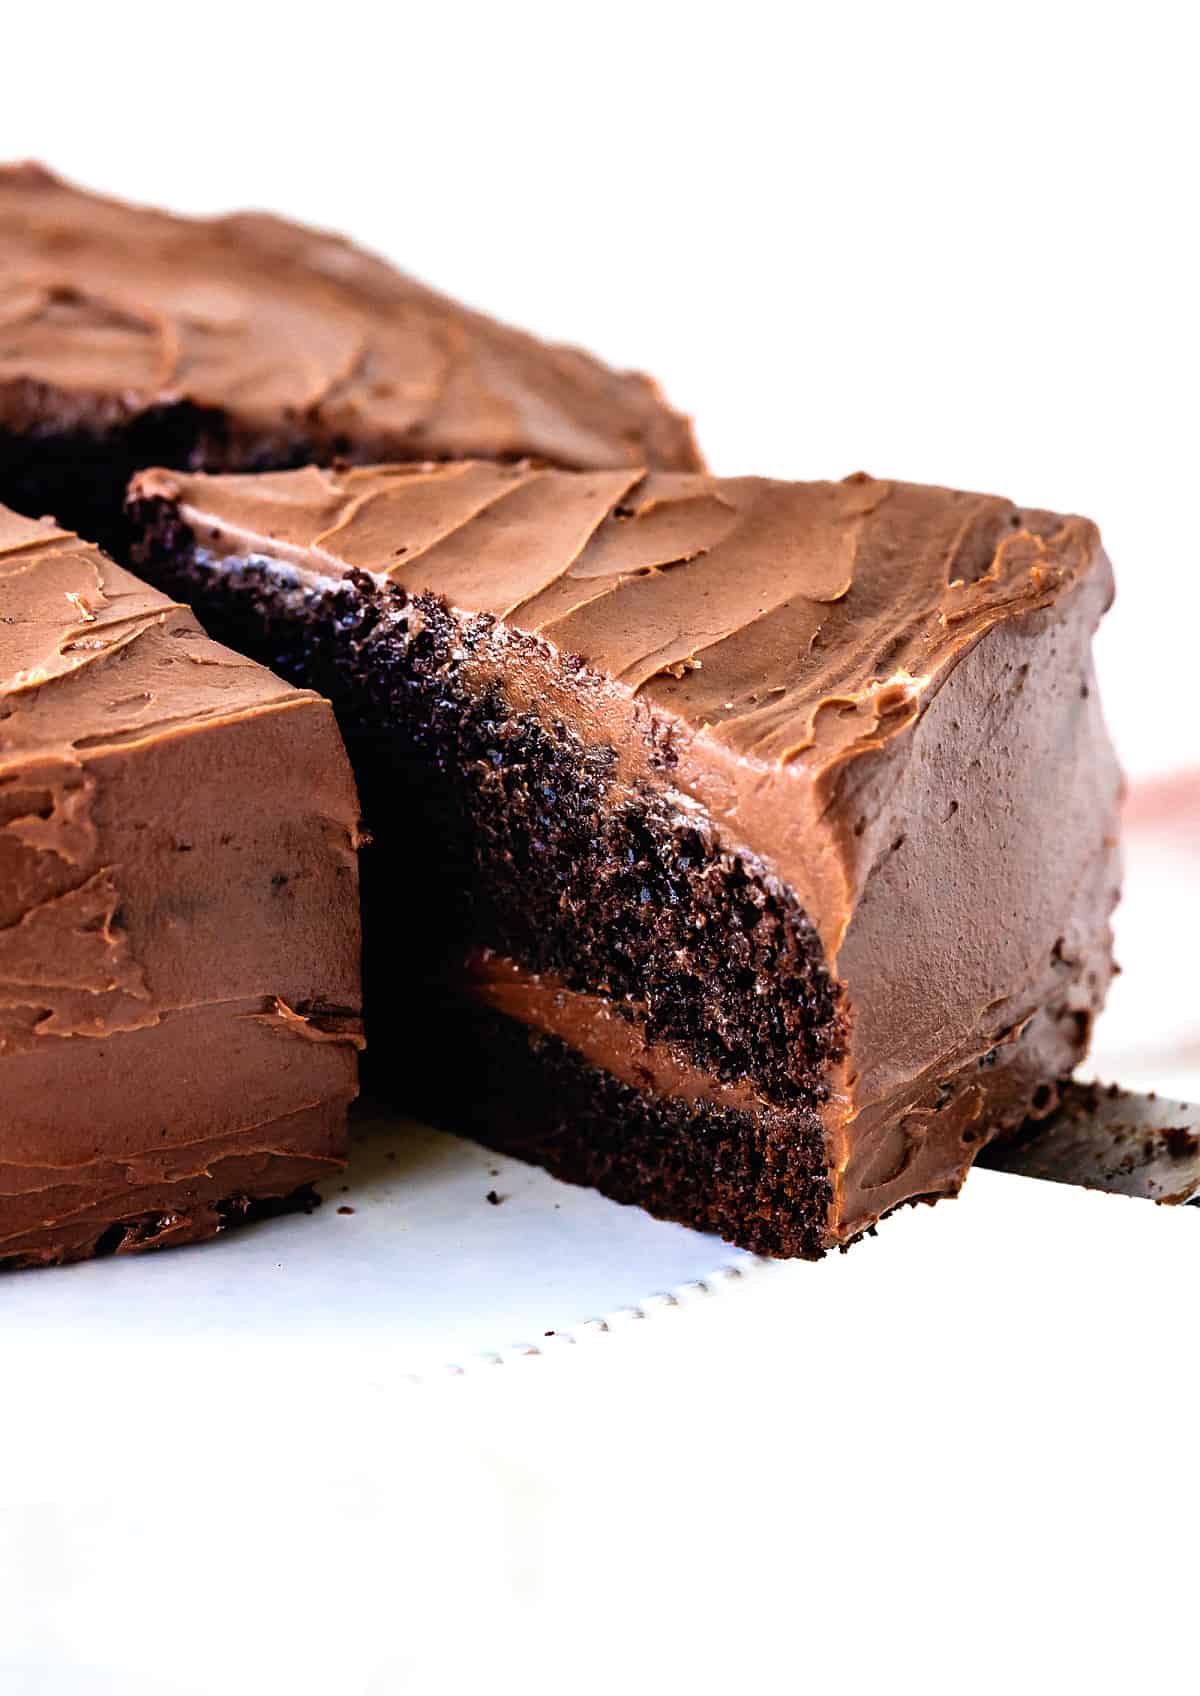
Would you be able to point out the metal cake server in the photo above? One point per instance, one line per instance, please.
(1105, 1138)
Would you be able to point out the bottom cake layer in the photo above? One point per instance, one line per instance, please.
(759, 1179)
(569, 1082)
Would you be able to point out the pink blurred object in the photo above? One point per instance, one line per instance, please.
(1148, 1037)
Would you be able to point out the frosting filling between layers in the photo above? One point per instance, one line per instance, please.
(607, 1034)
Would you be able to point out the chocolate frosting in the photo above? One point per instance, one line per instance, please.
(883, 691)
(114, 308)
(594, 1028)
(178, 902)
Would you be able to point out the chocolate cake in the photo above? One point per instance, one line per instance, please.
(756, 841)
(179, 925)
(131, 338)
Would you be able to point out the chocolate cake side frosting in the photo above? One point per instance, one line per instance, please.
(771, 828)
(179, 928)
(129, 337)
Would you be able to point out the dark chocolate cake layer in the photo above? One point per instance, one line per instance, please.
(758, 818)
(130, 338)
(179, 926)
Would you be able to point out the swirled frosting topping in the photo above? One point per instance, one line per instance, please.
(792, 622)
(268, 321)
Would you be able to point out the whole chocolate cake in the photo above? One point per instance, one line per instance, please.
(130, 338)
(179, 923)
(756, 841)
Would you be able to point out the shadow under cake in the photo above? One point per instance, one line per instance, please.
(755, 842)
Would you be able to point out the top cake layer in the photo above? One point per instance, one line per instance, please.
(789, 630)
(116, 309)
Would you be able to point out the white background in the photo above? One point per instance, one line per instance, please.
(948, 243)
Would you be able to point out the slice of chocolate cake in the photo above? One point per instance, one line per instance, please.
(767, 832)
(131, 338)
(179, 927)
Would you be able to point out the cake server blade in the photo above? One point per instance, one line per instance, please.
(1105, 1138)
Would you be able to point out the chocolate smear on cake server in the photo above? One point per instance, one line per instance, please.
(1106, 1138)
